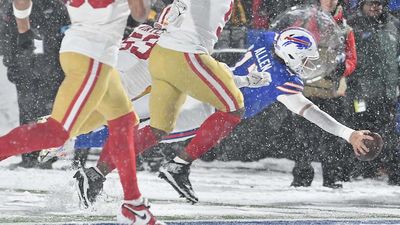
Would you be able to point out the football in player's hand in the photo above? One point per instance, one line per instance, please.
(375, 147)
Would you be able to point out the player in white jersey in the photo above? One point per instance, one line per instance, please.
(133, 67)
(180, 65)
(88, 56)
(197, 26)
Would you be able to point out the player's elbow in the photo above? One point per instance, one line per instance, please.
(303, 110)
(139, 17)
(139, 14)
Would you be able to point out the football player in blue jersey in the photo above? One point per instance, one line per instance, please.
(287, 58)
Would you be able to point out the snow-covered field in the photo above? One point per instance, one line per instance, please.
(227, 191)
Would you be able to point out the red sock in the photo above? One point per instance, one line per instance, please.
(33, 137)
(122, 151)
(215, 128)
(144, 139)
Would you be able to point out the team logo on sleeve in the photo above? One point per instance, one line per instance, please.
(302, 42)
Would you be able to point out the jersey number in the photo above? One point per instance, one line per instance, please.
(96, 4)
(140, 46)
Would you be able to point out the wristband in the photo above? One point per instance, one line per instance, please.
(241, 81)
(22, 14)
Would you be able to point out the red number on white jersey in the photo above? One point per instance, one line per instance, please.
(96, 4)
(140, 43)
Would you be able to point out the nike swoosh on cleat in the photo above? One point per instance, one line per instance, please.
(143, 217)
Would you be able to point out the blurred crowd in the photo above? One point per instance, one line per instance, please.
(362, 92)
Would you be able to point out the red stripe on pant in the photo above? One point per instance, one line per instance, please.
(77, 94)
(80, 92)
(215, 77)
(212, 88)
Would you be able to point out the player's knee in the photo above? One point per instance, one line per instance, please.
(55, 131)
(159, 134)
(238, 113)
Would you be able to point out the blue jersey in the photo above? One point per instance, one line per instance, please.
(261, 57)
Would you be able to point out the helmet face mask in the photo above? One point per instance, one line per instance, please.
(308, 67)
(298, 48)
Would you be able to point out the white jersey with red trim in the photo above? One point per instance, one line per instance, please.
(197, 26)
(96, 28)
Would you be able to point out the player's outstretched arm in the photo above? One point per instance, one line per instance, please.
(139, 9)
(300, 105)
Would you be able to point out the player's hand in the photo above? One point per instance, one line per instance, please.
(356, 140)
(176, 13)
(258, 79)
(25, 40)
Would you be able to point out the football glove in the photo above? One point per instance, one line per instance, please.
(174, 16)
(258, 79)
(25, 40)
(51, 153)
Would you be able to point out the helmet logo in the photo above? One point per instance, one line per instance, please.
(302, 42)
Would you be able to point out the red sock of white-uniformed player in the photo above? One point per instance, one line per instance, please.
(122, 152)
(32, 137)
(215, 128)
(144, 139)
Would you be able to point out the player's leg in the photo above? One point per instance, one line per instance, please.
(193, 113)
(207, 80)
(95, 121)
(122, 124)
(32, 137)
(144, 138)
(212, 82)
(77, 101)
(165, 103)
(84, 85)
(90, 180)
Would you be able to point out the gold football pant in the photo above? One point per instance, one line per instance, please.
(177, 74)
(99, 90)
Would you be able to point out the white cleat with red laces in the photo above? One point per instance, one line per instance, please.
(137, 212)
